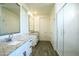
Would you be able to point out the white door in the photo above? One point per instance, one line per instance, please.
(60, 32)
(70, 30)
(44, 29)
(77, 17)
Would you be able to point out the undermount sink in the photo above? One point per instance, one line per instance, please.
(13, 43)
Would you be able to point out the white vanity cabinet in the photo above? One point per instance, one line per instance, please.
(23, 50)
(35, 38)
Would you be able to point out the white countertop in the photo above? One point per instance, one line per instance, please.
(5, 49)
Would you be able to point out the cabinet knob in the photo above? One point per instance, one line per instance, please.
(24, 53)
(30, 40)
(30, 46)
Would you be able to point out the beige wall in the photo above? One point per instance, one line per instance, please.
(52, 27)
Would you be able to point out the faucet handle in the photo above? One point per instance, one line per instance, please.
(11, 35)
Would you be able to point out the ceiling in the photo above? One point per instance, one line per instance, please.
(40, 8)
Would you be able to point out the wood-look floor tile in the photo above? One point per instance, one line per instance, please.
(43, 48)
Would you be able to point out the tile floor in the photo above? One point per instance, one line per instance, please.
(43, 48)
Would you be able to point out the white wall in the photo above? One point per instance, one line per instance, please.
(58, 6)
(57, 43)
(24, 21)
(53, 28)
(34, 23)
(23, 24)
(60, 38)
(31, 23)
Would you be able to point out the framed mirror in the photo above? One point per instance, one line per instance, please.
(9, 18)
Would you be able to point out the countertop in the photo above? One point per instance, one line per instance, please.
(5, 49)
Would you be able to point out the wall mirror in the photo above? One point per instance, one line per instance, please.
(9, 18)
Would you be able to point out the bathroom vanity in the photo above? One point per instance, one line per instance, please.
(22, 47)
(11, 23)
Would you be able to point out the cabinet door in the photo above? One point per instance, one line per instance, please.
(70, 30)
(24, 50)
(20, 51)
(17, 52)
(60, 32)
(29, 48)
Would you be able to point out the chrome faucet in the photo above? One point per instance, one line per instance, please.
(9, 38)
